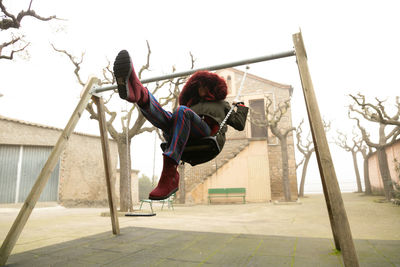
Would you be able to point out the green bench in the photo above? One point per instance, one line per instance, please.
(227, 193)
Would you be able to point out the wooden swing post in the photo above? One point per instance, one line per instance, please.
(337, 213)
(107, 163)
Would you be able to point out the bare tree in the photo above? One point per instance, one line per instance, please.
(306, 148)
(366, 152)
(10, 21)
(380, 146)
(354, 147)
(273, 119)
(377, 112)
(124, 137)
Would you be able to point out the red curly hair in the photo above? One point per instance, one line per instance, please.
(217, 88)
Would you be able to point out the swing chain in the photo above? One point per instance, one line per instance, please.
(234, 102)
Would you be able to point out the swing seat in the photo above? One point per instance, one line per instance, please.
(198, 151)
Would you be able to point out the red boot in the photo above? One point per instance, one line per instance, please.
(169, 181)
(129, 86)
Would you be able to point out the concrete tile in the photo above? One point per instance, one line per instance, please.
(101, 257)
(320, 262)
(277, 246)
(178, 263)
(134, 259)
(269, 260)
(238, 251)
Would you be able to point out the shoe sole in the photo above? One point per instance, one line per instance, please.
(164, 197)
(122, 71)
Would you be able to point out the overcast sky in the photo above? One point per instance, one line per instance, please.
(352, 47)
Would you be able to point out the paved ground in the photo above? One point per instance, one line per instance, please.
(203, 235)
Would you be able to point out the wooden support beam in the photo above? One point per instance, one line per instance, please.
(337, 213)
(41, 181)
(107, 163)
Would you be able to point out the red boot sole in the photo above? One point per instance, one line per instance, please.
(163, 197)
(122, 71)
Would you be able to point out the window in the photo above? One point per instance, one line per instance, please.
(257, 112)
(229, 84)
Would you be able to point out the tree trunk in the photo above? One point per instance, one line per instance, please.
(385, 173)
(285, 169)
(303, 173)
(358, 179)
(125, 177)
(181, 192)
(368, 190)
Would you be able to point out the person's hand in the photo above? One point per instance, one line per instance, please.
(238, 103)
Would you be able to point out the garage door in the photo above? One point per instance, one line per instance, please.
(20, 167)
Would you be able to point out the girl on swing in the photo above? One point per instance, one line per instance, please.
(201, 110)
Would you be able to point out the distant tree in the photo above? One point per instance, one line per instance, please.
(145, 187)
(366, 152)
(380, 146)
(377, 113)
(9, 21)
(306, 147)
(354, 147)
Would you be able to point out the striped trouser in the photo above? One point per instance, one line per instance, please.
(177, 127)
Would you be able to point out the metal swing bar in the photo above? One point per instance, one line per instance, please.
(210, 68)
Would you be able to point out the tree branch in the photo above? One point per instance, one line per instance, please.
(146, 129)
(375, 113)
(341, 141)
(364, 134)
(147, 65)
(11, 55)
(10, 21)
(74, 62)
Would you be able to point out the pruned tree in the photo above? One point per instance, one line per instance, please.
(15, 44)
(272, 121)
(306, 147)
(366, 152)
(380, 146)
(131, 125)
(354, 147)
(376, 112)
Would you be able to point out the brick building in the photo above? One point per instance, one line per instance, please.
(78, 178)
(250, 158)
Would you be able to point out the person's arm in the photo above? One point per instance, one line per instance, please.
(238, 118)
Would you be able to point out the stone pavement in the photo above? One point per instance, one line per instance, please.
(203, 235)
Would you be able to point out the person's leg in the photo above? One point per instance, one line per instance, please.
(156, 114)
(131, 89)
(186, 124)
(129, 86)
